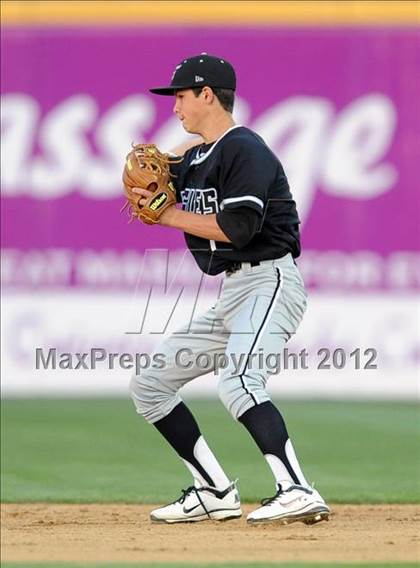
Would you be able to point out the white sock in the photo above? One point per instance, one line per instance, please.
(209, 463)
(281, 472)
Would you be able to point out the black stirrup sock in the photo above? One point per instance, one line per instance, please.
(181, 430)
(266, 425)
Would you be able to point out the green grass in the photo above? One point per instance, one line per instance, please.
(101, 451)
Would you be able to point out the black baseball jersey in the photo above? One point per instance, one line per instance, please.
(238, 173)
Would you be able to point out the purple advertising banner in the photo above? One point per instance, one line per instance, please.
(339, 107)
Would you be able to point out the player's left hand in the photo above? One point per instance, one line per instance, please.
(145, 193)
(166, 216)
(147, 183)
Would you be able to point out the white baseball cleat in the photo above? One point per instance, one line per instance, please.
(201, 504)
(292, 503)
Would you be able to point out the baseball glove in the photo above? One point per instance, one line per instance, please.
(147, 167)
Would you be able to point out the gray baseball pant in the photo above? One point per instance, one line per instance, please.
(258, 310)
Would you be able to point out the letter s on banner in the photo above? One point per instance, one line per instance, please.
(19, 118)
(62, 138)
(121, 125)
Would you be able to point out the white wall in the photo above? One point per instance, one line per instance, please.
(79, 321)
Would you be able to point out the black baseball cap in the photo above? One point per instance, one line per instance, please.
(199, 71)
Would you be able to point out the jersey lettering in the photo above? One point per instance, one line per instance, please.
(202, 201)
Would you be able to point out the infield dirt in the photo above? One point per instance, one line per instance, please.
(123, 533)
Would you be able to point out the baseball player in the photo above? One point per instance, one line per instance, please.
(239, 217)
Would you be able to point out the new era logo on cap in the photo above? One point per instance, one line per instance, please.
(205, 70)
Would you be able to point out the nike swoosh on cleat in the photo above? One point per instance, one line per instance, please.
(186, 511)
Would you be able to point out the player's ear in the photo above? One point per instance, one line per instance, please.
(207, 94)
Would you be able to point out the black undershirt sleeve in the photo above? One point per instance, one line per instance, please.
(239, 224)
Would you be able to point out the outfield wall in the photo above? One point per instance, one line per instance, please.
(333, 90)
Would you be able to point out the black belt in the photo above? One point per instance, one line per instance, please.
(235, 266)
